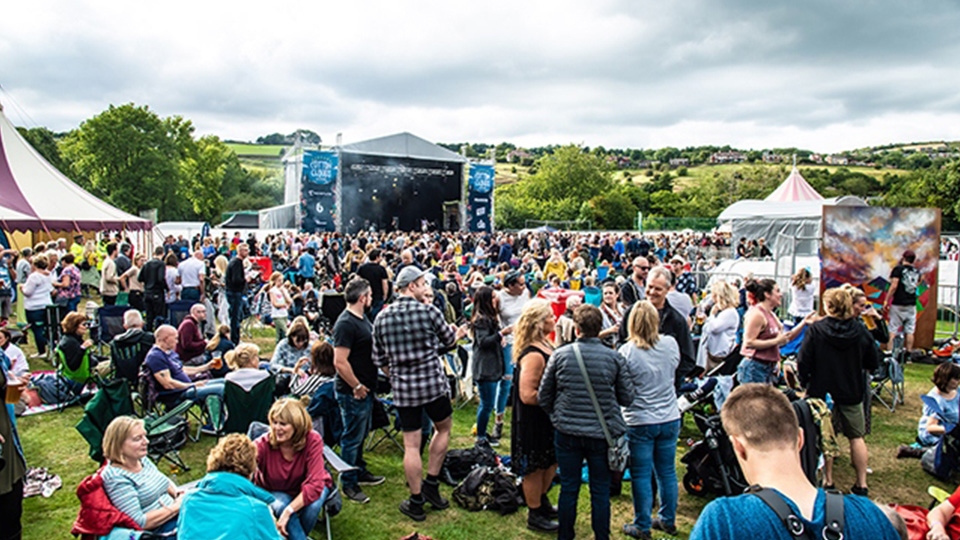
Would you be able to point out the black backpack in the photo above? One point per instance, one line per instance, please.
(489, 488)
(459, 463)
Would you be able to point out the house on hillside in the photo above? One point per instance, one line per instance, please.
(816, 158)
(679, 162)
(836, 159)
(727, 157)
(517, 156)
(770, 157)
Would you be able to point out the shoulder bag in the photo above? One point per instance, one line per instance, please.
(618, 452)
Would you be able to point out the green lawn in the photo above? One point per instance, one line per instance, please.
(264, 150)
(50, 440)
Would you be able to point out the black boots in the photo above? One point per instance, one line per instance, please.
(538, 520)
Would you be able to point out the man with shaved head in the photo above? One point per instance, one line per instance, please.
(191, 346)
(173, 378)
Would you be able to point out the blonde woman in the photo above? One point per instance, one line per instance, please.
(653, 420)
(244, 362)
(532, 450)
(133, 483)
(719, 336)
(802, 295)
(290, 467)
(89, 275)
(218, 280)
(242, 509)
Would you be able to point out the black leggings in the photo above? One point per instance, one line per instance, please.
(11, 508)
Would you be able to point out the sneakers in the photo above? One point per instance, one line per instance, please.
(633, 531)
(537, 521)
(369, 479)
(861, 491)
(661, 526)
(431, 494)
(356, 495)
(490, 440)
(497, 432)
(413, 510)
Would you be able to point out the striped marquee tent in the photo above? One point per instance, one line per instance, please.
(794, 188)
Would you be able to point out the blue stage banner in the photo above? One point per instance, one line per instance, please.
(317, 191)
(480, 198)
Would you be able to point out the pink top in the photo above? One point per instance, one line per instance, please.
(305, 474)
(770, 331)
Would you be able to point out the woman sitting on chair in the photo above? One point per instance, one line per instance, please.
(133, 483)
(244, 362)
(289, 351)
(320, 371)
(290, 467)
(242, 509)
(944, 394)
(74, 348)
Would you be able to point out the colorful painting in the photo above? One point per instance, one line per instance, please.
(862, 245)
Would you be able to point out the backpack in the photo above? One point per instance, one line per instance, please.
(459, 463)
(943, 459)
(489, 488)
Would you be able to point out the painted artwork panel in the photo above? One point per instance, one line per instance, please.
(863, 244)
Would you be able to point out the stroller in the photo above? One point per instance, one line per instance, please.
(712, 466)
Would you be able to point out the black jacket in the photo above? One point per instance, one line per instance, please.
(235, 280)
(487, 352)
(153, 275)
(832, 358)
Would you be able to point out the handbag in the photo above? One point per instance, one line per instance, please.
(618, 451)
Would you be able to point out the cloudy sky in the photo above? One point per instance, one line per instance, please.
(823, 75)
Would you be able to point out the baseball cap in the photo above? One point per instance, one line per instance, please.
(408, 275)
(677, 258)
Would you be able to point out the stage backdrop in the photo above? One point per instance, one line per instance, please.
(862, 245)
(317, 191)
(480, 198)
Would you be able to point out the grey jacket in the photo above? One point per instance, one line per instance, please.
(563, 392)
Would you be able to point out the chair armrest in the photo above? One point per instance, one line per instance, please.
(335, 461)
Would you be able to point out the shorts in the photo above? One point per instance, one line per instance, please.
(905, 316)
(849, 420)
(756, 371)
(438, 410)
(6, 306)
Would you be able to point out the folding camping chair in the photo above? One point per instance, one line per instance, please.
(109, 324)
(241, 408)
(71, 382)
(148, 390)
(385, 425)
(166, 433)
(887, 382)
(177, 311)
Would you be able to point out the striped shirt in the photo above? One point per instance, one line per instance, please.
(135, 494)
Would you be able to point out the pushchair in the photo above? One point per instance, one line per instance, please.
(712, 466)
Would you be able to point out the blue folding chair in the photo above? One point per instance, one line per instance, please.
(177, 311)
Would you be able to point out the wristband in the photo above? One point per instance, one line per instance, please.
(358, 386)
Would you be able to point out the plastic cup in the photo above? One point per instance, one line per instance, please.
(15, 387)
(217, 362)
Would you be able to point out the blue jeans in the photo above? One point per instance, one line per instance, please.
(357, 415)
(302, 522)
(653, 449)
(235, 303)
(488, 398)
(190, 293)
(37, 319)
(503, 392)
(571, 451)
(755, 371)
(199, 394)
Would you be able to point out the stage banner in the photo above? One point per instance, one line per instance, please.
(317, 191)
(480, 198)
(863, 244)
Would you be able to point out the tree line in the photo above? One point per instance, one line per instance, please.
(135, 160)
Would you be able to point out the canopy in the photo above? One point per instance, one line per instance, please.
(406, 145)
(38, 197)
(794, 188)
(241, 220)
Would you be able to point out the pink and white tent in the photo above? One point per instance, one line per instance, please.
(35, 196)
(794, 188)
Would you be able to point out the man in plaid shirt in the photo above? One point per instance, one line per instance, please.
(407, 338)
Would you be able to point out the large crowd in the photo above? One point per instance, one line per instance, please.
(589, 337)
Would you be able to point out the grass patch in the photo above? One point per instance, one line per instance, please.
(259, 150)
(50, 440)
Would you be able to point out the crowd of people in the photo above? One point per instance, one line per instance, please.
(604, 375)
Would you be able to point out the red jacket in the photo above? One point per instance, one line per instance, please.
(97, 516)
(190, 342)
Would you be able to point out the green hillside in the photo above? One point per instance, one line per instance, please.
(257, 150)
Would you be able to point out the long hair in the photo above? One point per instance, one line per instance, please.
(799, 280)
(529, 328)
(725, 294)
(644, 325)
(483, 304)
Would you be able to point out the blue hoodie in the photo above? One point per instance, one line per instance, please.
(227, 506)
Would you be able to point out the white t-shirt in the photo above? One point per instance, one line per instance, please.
(801, 303)
(510, 309)
(277, 298)
(191, 272)
(36, 291)
(18, 361)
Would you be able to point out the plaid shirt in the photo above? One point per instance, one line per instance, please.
(407, 336)
(686, 283)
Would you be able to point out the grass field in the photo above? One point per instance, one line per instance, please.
(50, 440)
(257, 150)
